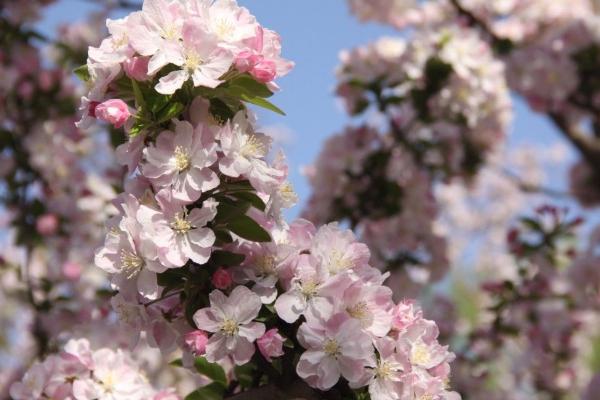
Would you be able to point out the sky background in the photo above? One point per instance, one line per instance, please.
(313, 33)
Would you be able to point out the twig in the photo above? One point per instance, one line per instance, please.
(531, 188)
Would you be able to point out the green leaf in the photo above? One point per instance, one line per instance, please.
(251, 198)
(262, 103)
(213, 391)
(247, 84)
(245, 374)
(176, 363)
(171, 111)
(220, 110)
(247, 228)
(224, 258)
(156, 102)
(82, 73)
(223, 237)
(137, 128)
(211, 370)
(139, 96)
(228, 210)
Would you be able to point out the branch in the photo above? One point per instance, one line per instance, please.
(586, 145)
(474, 20)
(531, 188)
(295, 391)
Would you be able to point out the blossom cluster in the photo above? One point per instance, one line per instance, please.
(542, 317)
(363, 178)
(57, 183)
(199, 252)
(445, 108)
(445, 95)
(82, 373)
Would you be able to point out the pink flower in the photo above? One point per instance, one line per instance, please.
(386, 380)
(308, 290)
(72, 270)
(336, 346)
(178, 234)
(32, 385)
(339, 250)
(244, 153)
(196, 342)
(370, 305)
(182, 161)
(113, 111)
(199, 57)
(47, 224)
(270, 344)
(155, 32)
(222, 279)
(419, 342)
(264, 71)
(230, 319)
(136, 68)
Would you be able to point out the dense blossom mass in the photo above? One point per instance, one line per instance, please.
(198, 250)
(442, 91)
(203, 290)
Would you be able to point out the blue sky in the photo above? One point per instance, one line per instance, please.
(313, 33)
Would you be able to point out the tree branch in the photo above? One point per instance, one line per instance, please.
(588, 147)
(296, 391)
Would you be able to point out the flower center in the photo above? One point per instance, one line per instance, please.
(338, 263)
(120, 41)
(224, 28)
(287, 193)
(108, 382)
(180, 224)
(229, 327)
(420, 354)
(331, 348)
(384, 370)
(193, 61)
(131, 263)
(182, 159)
(253, 147)
(170, 33)
(266, 265)
(359, 310)
(309, 289)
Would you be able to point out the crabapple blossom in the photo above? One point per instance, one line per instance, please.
(200, 58)
(179, 235)
(335, 346)
(230, 319)
(182, 161)
(222, 279)
(82, 373)
(270, 344)
(113, 111)
(244, 151)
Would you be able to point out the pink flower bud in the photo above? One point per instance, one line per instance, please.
(196, 341)
(264, 71)
(137, 68)
(46, 224)
(71, 270)
(114, 111)
(222, 279)
(270, 344)
(244, 61)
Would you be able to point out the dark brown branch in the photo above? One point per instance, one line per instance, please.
(588, 147)
(474, 21)
(296, 391)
